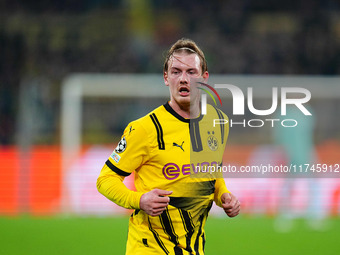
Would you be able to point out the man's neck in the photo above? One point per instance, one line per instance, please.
(186, 112)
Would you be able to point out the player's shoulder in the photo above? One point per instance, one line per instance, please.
(148, 120)
(216, 112)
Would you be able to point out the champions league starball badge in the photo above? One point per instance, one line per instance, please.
(121, 146)
(212, 141)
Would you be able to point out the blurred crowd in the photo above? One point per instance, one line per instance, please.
(52, 39)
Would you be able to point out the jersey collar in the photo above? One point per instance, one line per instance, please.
(176, 115)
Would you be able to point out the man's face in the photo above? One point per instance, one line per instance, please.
(184, 69)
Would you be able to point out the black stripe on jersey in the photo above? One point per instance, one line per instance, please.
(196, 246)
(116, 169)
(170, 231)
(159, 130)
(158, 240)
(188, 226)
(195, 136)
(201, 219)
(221, 117)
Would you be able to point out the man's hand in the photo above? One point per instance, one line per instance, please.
(230, 204)
(155, 201)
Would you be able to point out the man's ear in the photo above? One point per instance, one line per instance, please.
(165, 76)
(205, 76)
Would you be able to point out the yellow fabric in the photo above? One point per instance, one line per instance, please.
(147, 238)
(220, 188)
(166, 154)
(111, 186)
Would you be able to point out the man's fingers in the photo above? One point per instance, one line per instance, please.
(155, 201)
(227, 208)
(226, 198)
(162, 199)
(232, 214)
(234, 211)
(156, 212)
(162, 193)
(157, 205)
(230, 204)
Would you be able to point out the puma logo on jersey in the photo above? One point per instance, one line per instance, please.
(177, 145)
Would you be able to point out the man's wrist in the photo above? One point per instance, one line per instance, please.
(135, 202)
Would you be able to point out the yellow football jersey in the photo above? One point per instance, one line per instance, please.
(167, 151)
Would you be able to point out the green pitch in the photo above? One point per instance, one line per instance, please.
(26, 235)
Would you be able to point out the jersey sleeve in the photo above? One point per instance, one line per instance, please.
(131, 152)
(112, 187)
(220, 188)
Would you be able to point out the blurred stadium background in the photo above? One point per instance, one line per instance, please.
(67, 71)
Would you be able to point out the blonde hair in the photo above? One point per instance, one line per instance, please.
(188, 46)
